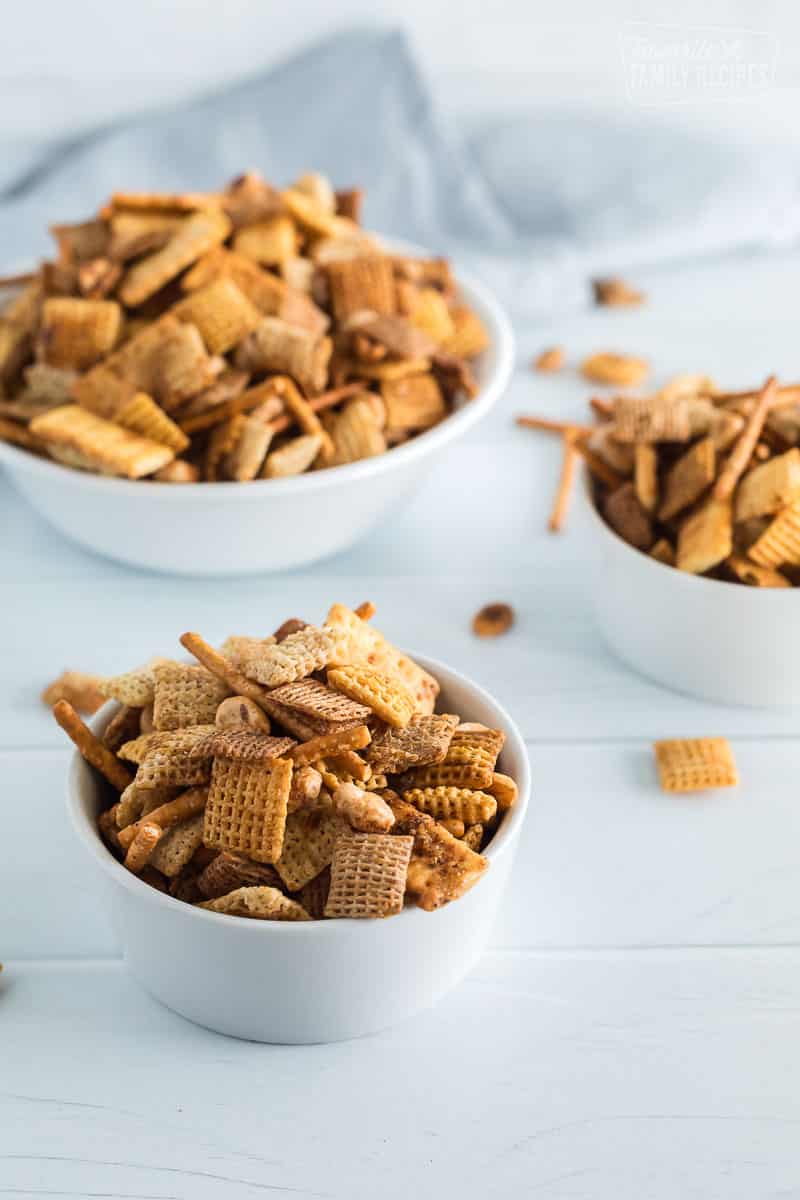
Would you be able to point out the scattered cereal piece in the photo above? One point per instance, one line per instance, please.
(549, 360)
(615, 293)
(618, 370)
(695, 764)
(80, 689)
(493, 620)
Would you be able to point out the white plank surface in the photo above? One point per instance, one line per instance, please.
(632, 1034)
(611, 1076)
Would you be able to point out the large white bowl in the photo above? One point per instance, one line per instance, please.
(265, 525)
(720, 641)
(319, 981)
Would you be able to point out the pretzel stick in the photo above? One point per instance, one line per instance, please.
(223, 668)
(318, 403)
(188, 804)
(785, 396)
(598, 468)
(330, 743)
(300, 411)
(9, 281)
(743, 449)
(548, 426)
(565, 485)
(142, 846)
(229, 408)
(90, 747)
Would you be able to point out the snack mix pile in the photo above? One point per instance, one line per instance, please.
(294, 777)
(246, 334)
(698, 479)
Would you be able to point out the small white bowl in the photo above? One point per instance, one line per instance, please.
(319, 981)
(719, 641)
(265, 525)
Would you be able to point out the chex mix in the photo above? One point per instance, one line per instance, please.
(250, 333)
(697, 478)
(294, 777)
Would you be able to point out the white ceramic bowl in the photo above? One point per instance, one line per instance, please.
(266, 525)
(720, 641)
(319, 981)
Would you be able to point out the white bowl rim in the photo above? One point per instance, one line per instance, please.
(507, 833)
(459, 421)
(782, 596)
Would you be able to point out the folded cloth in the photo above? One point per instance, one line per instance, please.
(535, 205)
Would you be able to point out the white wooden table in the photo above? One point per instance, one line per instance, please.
(633, 1032)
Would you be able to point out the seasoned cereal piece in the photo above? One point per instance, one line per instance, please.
(779, 544)
(80, 689)
(388, 699)
(469, 762)
(243, 743)
(297, 656)
(82, 439)
(142, 415)
(76, 333)
(185, 695)
(493, 620)
(247, 807)
(293, 457)
(169, 768)
(277, 346)
(312, 697)
(425, 740)
(123, 726)
(356, 642)
(308, 845)
(688, 479)
(177, 741)
(695, 764)
(368, 875)
(651, 419)
(770, 487)
(441, 868)
(228, 871)
(626, 517)
(448, 803)
(362, 283)
(261, 903)
(177, 847)
(706, 538)
(645, 476)
(619, 370)
(221, 312)
(194, 236)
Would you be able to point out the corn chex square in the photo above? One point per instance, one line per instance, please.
(246, 809)
(695, 764)
(185, 695)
